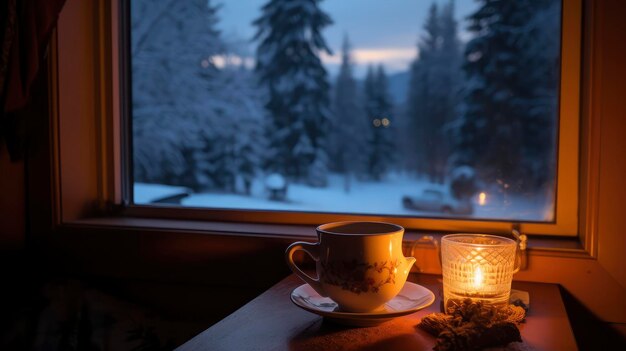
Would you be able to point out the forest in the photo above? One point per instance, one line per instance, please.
(476, 115)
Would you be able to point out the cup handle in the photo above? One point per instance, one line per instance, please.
(314, 251)
(520, 250)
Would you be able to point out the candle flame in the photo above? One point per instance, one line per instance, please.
(478, 277)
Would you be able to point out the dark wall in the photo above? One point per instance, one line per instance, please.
(12, 219)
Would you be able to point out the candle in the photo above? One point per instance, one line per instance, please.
(477, 266)
(478, 278)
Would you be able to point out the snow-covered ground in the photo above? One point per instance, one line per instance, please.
(363, 198)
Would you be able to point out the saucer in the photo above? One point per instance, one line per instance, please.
(412, 298)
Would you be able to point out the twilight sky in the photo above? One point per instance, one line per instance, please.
(381, 31)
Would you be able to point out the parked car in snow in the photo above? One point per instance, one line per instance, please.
(433, 200)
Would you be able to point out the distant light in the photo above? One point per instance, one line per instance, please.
(386, 122)
(376, 122)
(219, 61)
(482, 199)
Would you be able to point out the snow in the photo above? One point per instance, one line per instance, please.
(275, 181)
(463, 171)
(146, 193)
(373, 198)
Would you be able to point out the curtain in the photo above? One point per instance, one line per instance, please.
(25, 27)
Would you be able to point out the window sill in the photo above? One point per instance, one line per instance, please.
(537, 245)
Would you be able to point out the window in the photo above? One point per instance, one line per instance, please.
(85, 170)
(465, 111)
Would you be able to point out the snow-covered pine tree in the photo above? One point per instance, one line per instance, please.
(433, 94)
(506, 131)
(171, 44)
(379, 113)
(234, 148)
(318, 170)
(348, 128)
(247, 115)
(371, 114)
(417, 95)
(195, 123)
(289, 67)
(450, 56)
(543, 74)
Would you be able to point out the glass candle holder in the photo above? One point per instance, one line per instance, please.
(477, 266)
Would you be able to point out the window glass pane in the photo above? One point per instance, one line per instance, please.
(411, 108)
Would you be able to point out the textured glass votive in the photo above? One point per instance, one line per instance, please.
(477, 266)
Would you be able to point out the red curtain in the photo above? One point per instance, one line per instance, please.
(25, 27)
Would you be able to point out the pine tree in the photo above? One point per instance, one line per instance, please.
(288, 65)
(541, 58)
(172, 44)
(194, 124)
(451, 60)
(379, 113)
(249, 137)
(433, 95)
(418, 94)
(233, 149)
(348, 127)
(507, 128)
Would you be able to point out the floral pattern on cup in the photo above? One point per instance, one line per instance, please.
(359, 277)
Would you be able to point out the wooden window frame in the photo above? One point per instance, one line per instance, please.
(566, 222)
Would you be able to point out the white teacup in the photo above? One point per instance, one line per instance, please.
(359, 265)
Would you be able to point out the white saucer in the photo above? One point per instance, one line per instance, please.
(411, 298)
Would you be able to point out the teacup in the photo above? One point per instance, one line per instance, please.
(359, 265)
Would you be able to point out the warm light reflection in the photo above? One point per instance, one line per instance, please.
(482, 198)
(478, 278)
(386, 122)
